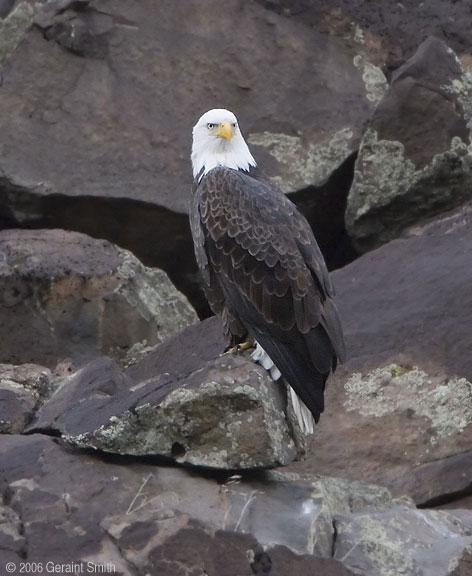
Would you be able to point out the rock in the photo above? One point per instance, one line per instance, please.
(398, 412)
(420, 542)
(147, 142)
(183, 401)
(226, 554)
(21, 389)
(390, 32)
(97, 138)
(136, 517)
(65, 296)
(13, 27)
(133, 514)
(414, 161)
(141, 518)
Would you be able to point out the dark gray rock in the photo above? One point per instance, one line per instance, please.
(414, 161)
(138, 518)
(390, 31)
(21, 390)
(192, 548)
(65, 296)
(13, 25)
(399, 411)
(416, 542)
(65, 504)
(184, 401)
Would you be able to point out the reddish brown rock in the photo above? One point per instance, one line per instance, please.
(67, 297)
(139, 518)
(415, 160)
(398, 413)
(99, 138)
(60, 504)
(391, 30)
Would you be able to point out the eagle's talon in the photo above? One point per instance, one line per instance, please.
(238, 348)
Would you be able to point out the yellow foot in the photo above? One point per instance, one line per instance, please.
(249, 343)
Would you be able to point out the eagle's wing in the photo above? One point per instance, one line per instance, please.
(234, 330)
(262, 254)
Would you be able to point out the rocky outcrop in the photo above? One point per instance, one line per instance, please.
(184, 401)
(132, 447)
(414, 161)
(389, 33)
(399, 411)
(139, 518)
(67, 297)
(96, 137)
(297, 143)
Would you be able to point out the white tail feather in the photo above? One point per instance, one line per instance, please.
(304, 416)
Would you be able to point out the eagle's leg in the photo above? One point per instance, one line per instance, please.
(235, 333)
(244, 345)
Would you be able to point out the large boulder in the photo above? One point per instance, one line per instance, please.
(184, 401)
(141, 132)
(415, 160)
(399, 411)
(67, 297)
(99, 99)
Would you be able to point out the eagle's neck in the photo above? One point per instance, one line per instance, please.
(213, 152)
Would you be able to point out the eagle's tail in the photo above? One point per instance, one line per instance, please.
(305, 416)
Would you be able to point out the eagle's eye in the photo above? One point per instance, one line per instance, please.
(210, 125)
(233, 125)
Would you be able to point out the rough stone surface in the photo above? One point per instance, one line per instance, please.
(142, 518)
(398, 412)
(390, 32)
(398, 541)
(13, 27)
(65, 296)
(415, 160)
(140, 134)
(98, 140)
(222, 412)
(21, 390)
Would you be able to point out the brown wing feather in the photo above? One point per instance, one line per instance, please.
(255, 235)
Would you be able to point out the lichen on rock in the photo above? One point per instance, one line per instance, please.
(305, 163)
(445, 402)
(13, 28)
(376, 84)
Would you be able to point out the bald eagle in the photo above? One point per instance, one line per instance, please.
(261, 266)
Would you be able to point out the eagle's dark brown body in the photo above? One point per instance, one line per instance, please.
(264, 273)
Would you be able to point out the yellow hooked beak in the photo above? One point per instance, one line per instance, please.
(225, 131)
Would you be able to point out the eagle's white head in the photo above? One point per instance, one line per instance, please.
(217, 141)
